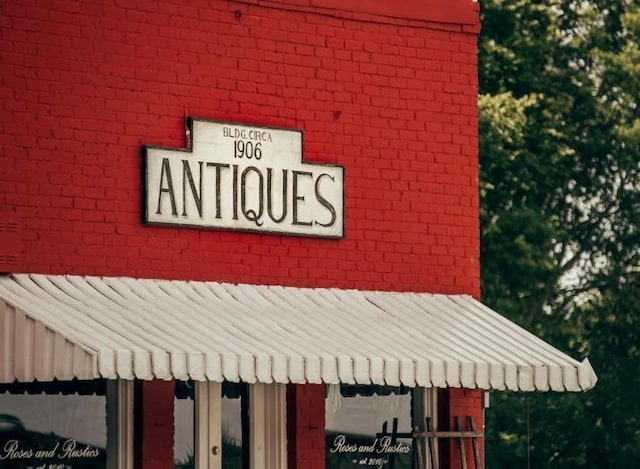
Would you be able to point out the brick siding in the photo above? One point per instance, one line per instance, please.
(85, 84)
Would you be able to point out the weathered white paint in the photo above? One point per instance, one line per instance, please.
(85, 327)
(242, 177)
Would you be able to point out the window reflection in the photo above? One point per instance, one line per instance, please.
(234, 425)
(184, 424)
(59, 425)
(368, 427)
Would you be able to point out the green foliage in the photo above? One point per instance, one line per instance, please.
(560, 186)
(598, 429)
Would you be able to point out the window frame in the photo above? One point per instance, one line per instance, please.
(119, 424)
(267, 426)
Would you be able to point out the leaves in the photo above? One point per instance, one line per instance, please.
(560, 188)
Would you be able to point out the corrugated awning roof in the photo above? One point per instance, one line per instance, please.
(66, 327)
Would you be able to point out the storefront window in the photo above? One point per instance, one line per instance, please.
(369, 427)
(59, 425)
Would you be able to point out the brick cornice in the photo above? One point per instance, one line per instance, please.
(464, 13)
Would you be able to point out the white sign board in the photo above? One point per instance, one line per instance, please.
(243, 177)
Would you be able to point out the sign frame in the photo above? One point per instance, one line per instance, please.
(205, 133)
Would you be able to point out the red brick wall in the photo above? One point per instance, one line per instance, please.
(153, 425)
(85, 84)
(305, 426)
(394, 101)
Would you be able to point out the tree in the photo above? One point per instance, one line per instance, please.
(560, 214)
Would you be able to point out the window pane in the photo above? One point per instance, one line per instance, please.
(368, 426)
(53, 425)
(184, 424)
(234, 427)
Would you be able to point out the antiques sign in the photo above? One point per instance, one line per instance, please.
(243, 177)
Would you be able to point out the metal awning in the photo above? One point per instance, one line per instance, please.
(64, 327)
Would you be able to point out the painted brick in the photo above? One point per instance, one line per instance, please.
(391, 98)
(154, 424)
